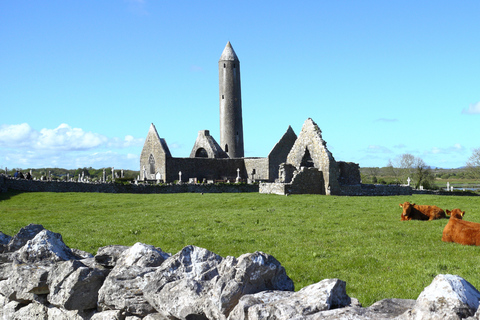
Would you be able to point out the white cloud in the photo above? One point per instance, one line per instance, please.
(22, 146)
(17, 135)
(378, 149)
(128, 141)
(65, 137)
(456, 148)
(472, 109)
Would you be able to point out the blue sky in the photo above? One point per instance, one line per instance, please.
(81, 81)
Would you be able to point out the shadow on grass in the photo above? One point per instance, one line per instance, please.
(9, 194)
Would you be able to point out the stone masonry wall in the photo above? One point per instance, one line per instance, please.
(42, 278)
(58, 186)
(310, 138)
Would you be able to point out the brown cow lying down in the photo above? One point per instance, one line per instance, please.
(412, 211)
(460, 231)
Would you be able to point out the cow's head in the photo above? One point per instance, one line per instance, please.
(456, 213)
(407, 208)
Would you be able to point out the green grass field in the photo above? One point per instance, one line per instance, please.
(360, 240)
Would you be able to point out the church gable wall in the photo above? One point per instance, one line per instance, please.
(310, 150)
(279, 153)
(206, 147)
(154, 155)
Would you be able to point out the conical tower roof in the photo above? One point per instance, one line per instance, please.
(228, 53)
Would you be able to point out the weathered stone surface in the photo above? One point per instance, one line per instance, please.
(73, 286)
(62, 314)
(447, 297)
(32, 311)
(146, 283)
(80, 254)
(123, 288)
(198, 283)
(25, 282)
(178, 287)
(4, 240)
(324, 295)
(108, 256)
(156, 316)
(142, 255)
(25, 234)
(311, 150)
(109, 315)
(46, 246)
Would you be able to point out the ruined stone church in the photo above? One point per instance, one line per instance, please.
(304, 159)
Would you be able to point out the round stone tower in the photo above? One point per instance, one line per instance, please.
(231, 126)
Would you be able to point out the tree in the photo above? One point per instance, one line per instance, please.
(422, 174)
(407, 165)
(374, 171)
(393, 171)
(473, 164)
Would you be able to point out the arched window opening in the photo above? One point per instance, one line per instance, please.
(307, 160)
(201, 153)
(226, 148)
(224, 66)
(151, 162)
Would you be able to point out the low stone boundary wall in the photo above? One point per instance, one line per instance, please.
(375, 190)
(7, 183)
(42, 278)
(353, 190)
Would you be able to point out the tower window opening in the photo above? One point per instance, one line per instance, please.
(201, 153)
(226, 148)
(224, 66)
(223, 97)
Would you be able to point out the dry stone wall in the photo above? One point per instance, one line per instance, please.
(42, 278)
(58, 186)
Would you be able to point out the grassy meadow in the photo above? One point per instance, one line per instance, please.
(360, 240)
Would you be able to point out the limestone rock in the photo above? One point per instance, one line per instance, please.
(9, 309)
(142, 255)
(4, 240)
(324, 295)
(447, 297)
(123, 288)
(199, 284)
(156, 316)
(74, 286)
(25, 282)
(25, 234)
(108, 256)
(386, 309)
(108, 315)
(80, 254)
(250, 273)
(32, 311)
(45, 246)
(178, 287)
(62, 314)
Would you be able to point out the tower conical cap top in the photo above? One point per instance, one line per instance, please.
(228, 53)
